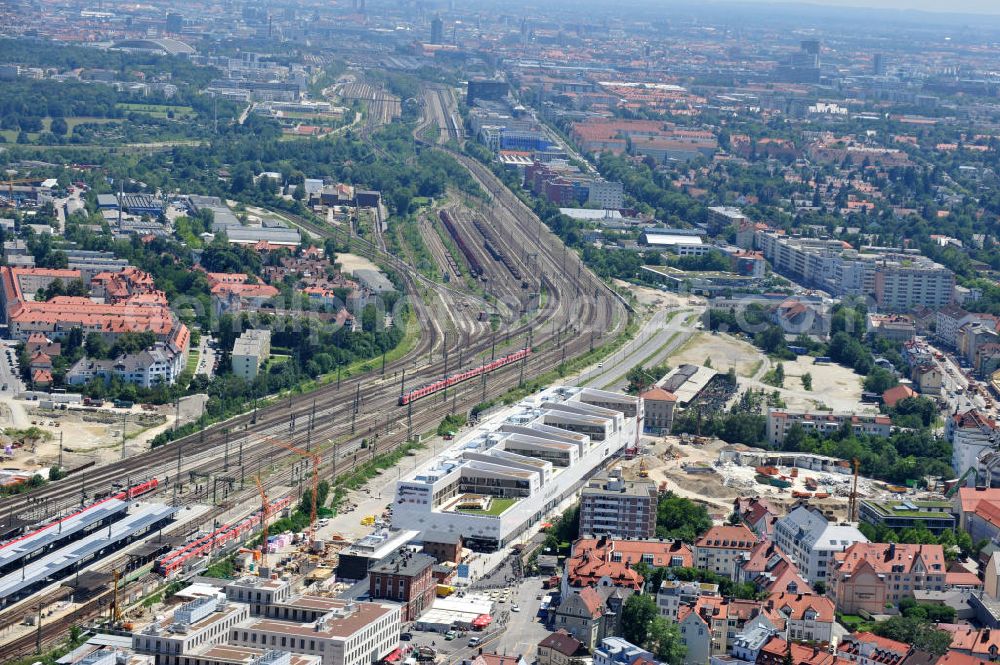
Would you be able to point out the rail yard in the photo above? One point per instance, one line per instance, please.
(344, 424)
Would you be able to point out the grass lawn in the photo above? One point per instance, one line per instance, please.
(497, 506)
(157, 110)
(192, 362)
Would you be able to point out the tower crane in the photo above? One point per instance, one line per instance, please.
(315, 476)
(264, 515)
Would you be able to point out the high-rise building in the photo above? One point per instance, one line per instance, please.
(879, 64)
(613, 506)
(175, 22)
(437, 30)
(810, 46)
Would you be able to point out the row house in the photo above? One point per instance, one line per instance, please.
(721, 549)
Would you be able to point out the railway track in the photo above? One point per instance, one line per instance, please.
(333, 420)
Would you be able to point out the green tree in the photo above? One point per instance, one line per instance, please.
(807, 381)
(664, 641)
(681, 518)
(880, 380)
(637, 614)
(916, 631)
(59, 127)
(95, 346)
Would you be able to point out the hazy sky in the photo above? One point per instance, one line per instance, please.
(951, 6)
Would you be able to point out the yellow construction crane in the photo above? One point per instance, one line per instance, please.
(116, 608)
(264, 515)
(315, 479)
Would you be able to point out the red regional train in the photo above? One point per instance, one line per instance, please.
(224, 535)
(454, 379)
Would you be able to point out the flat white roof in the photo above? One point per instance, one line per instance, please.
(658, 239)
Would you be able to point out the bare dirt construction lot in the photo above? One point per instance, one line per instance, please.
(86, 434)
(351, 262)
(724, 351)
(693, 471)
(833, 386)
(654, 297)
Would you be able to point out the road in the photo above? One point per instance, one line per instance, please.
(659, 337)
(206, 358)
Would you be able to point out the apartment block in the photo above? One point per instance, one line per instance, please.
(812, 541)
(779, 421)
(867, 576)
(250, 351)
(721, 549)
(613, 506)
(674, 594)
(904, 282)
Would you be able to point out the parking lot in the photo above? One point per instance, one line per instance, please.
(512, 631)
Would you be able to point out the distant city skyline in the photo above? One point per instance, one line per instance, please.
(955, 7)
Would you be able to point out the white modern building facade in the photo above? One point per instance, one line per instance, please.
(811, 541)
(507, 473)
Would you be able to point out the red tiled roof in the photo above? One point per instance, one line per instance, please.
(728, 537)
(887, 558)
(897, 393)
(658, 394)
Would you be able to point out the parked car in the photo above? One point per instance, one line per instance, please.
(406, 637)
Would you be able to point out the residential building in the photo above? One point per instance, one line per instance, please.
(871, 649)
(581, 615)
(983, 643)
(758, 514)
(771, 570)
(867, 576)
(674, 594)
(779, 421)
(659, 407)
(708, 626)
(971, 434)
(978, 509)
(806, 616)
(405, 578)
(948, 320)
(609, 562)
(250, 351)
(901, 283)
(776, 651)
(721, 549)
(122, 302)
(893, 327)
(927, 377)
(896, 394)
(160, 364)
(506, 473)
(811, 541)
(935, 516)
(724, 217)
(558, 648)
(619, 508)
(619, 651)
(349, 633)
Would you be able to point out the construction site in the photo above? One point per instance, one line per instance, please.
(714, 473)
